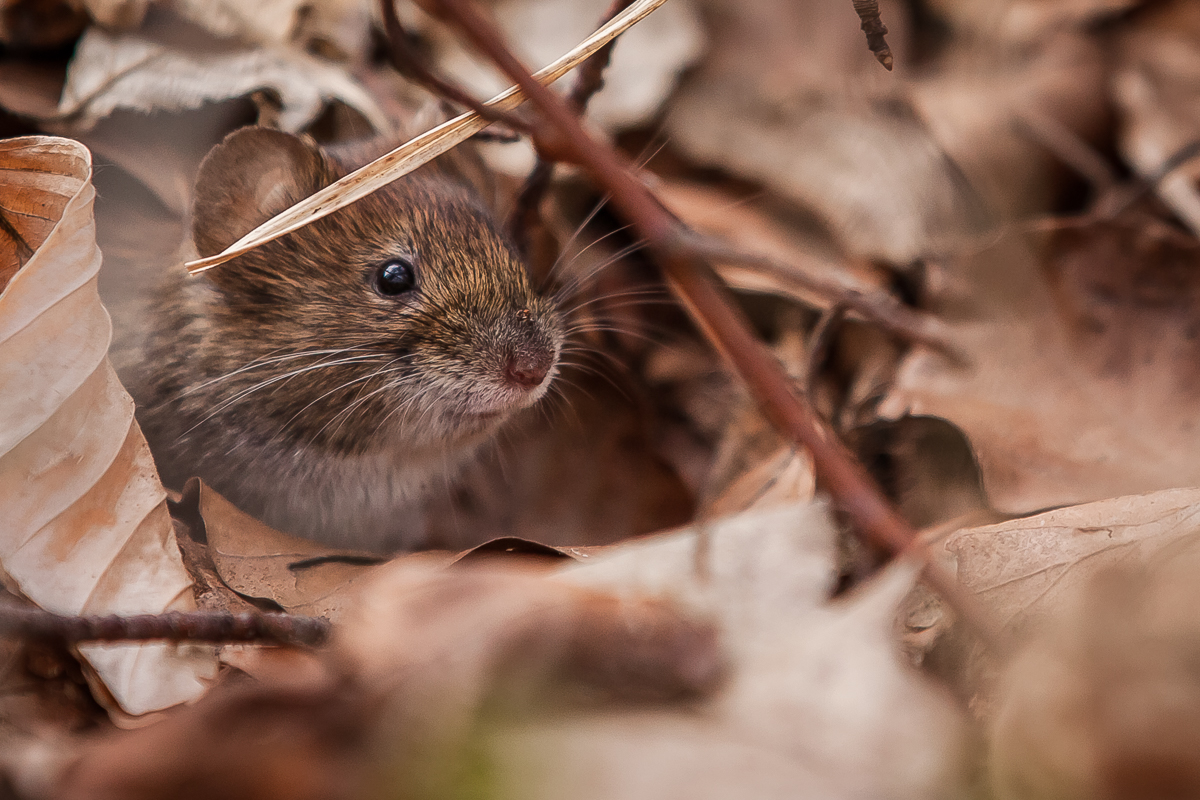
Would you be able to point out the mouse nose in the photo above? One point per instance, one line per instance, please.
(528, 369)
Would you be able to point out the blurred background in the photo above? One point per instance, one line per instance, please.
(1024, 179)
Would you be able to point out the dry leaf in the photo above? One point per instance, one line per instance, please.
(395, 706)
(753, 466)
(1155, 89)
(1081, 382)
(1028, 567)
(1021, 22)
(818, 703)
(990, 107)
(87, 525)
(257, 561)
(761, 105)
(1103, 698)
(149, 71)
(39, 24)
(758, 226)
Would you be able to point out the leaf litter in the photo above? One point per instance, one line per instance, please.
(1024, 180)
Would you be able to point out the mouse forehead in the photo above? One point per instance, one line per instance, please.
(454, 239)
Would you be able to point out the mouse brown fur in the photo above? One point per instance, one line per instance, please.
(326, 382)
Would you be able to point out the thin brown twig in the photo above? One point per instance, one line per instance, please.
(876, 31)
(711, 306)
(588, 80)
(193, 626)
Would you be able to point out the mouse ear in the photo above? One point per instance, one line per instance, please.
(248, 178)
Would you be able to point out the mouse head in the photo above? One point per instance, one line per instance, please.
(405, 319)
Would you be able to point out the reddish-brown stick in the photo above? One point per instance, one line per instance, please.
(711, 306)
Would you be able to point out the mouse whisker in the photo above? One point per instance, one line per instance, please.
(389, 366)
(570, 287)
(243, 394)
(646, 296)
(344, 415)
(266, 361)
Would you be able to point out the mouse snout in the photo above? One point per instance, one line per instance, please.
(528, 368)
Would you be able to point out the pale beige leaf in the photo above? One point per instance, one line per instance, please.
(818, 700)
(140, 72)
(643, 71)
(1024, 568)
(418, 151)
(1100, 699)
(87, 530)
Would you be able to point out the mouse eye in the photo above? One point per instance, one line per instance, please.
(396, 277)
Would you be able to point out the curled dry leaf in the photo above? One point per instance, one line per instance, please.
(147, 71)
(818, 703)
(87, 529)
(1082, 379)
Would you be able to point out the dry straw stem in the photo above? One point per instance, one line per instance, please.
(709, 303)
(418, 151)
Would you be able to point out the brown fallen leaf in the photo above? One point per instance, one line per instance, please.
(649, 58)
(854, 153)
(37, 24)
(259, 562)
(753, 466)
(87, 529)
(990, 106)
(818, 703)
(1081, 382)
(1021, 22)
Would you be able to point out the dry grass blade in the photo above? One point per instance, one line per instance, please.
(418, 151)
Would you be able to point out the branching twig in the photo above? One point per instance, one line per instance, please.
(873, 27)
(195, 626)
(709, 303)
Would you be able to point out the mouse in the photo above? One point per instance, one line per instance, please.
(330, 381)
